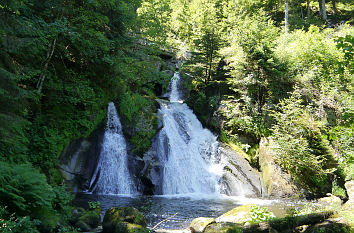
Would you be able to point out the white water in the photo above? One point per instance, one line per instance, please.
(112, 174)
(190, 160)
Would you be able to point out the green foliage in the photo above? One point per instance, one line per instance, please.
(23, 189)
(300, 147)
(138, 114)
(13, 224)
(94, 204)
(259, 214)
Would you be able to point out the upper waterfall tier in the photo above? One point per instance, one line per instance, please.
(112, 174)
(190, 162)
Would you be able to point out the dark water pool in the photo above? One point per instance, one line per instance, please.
(186, 208)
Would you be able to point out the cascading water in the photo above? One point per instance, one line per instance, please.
(190, 160)
(112, 175)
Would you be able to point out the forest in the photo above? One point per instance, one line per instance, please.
(277, 69)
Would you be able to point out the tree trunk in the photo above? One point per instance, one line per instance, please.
(45, 66)
(308, 9)
(286, 15)
(334, 7)
(320, 8)
(324, 14)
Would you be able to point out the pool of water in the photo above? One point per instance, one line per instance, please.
(183, 208)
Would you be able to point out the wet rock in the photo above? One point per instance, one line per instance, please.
(169, 72)
(236, 215)
(123, 220)
(239, 177)
(277, 182)
(79, 159)
(198, 225)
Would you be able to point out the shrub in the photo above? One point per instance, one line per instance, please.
(300, 147)
(259, 214)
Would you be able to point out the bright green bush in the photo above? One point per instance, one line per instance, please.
(259, 214)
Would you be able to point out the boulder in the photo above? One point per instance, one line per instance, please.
(277, 182)
(349, 186)
(91, 218)
(330, 202)
(236, 215)
(223, 227)
(85, 220)
(329, 226)
(349, 205)
(198, 225)
(123, 220)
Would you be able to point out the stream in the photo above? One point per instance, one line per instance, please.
(158, 208)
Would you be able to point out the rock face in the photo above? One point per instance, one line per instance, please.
(123, 220)
(239, 177)
(198, 225)
(79, 159)
(277, 182)
(349, 205)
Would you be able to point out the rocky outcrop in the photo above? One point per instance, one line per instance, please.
(239, 177)
(123, 220)
(349, 205)
(79, 159)
(198, 225)
(277, 182)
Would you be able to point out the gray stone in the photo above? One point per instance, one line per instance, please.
(238, 172)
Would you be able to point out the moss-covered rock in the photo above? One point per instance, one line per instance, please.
(277, 182)
(82, 226)
(91, 218)
(123, 220)
(236, 215)
(198, 225)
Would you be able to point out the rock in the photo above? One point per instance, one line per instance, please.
(79, 159)
(91, 218)
(329, 226)
(198, 225)
(76, 214)
(222, 227)
(330, 202)
(349, 186)
(277, 182)
(349, 205)
(169, 72)
(238, 172)
(236, 215)
(83, 226)
(123, 220)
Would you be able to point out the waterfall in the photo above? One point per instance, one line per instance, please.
(112, 175)
(190, 160)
